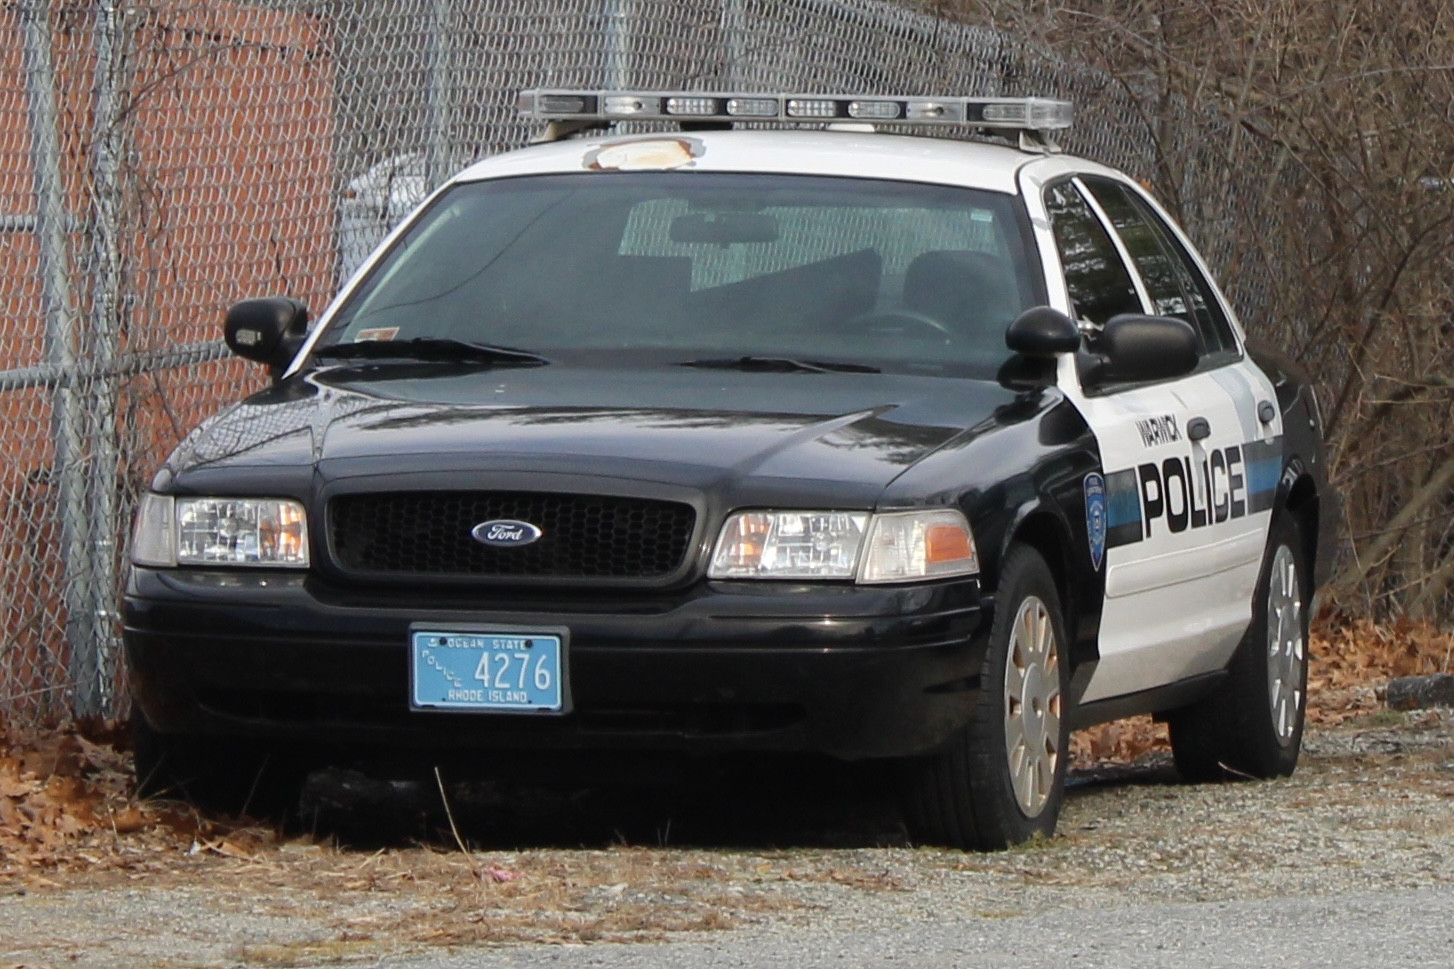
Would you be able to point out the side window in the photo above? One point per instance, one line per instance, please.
(1211, 318)
(1099, 285)
(1176, 285)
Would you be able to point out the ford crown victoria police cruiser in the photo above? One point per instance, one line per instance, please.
(703, 440)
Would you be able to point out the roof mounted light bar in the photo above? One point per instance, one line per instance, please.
(604, 107)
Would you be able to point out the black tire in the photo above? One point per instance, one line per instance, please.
(1252, 726)
(969, 794)
(212, 774)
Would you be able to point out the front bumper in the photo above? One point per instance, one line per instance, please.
(850, 671)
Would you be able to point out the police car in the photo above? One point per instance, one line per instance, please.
(769, 424)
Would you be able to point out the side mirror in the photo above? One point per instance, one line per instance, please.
(1042, 331)
(1134, 348)
(267, 330)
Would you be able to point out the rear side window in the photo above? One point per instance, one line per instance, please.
(1100, 286)
(1175, 283)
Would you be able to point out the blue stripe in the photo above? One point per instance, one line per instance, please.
(1123, 498)
(1123, 508)
(1263, 463)
(1263, 475)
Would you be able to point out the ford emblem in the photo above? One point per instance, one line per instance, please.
(505, 533)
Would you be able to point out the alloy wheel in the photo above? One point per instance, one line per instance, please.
(1032, 706)
(1286, 647)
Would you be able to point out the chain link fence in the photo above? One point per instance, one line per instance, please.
(161, 159)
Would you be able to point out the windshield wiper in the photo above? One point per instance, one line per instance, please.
(432, 349)
(781, 365)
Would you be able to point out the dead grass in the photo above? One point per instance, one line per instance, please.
(68, 820)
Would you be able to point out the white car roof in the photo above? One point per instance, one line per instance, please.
(854, 154)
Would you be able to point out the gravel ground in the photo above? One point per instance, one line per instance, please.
(1410, 930)
(1370, 813)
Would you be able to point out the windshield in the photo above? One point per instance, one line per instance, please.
(692, 266)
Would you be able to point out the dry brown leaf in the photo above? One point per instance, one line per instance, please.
(228, 849)
(129, 821)
(1117, 741)
(11, 786)
(10, 818)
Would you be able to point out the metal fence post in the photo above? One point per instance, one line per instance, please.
(440, 160)
(104, 332)
(619, 14)
(734, 37)
(61, 317)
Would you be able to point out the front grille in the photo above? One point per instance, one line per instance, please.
(583, 536)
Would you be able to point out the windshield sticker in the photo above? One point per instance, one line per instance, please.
(1095, 516)
(637, 156)
(376, 334)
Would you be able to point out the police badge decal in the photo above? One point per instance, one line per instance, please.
(1095, 516)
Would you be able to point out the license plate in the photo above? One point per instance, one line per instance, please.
(488, 670)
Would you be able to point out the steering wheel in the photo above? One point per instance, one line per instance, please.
(899, 321)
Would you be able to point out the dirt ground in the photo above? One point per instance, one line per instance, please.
(89, 876)
(1371, 806)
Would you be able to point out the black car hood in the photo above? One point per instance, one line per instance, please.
(762, 436)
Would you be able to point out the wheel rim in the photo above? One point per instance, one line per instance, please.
(1032, 706)
(1286, 647)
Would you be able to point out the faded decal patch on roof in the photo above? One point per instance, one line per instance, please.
(652, 154)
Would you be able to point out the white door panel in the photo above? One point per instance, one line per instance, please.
(1166, 633)
(1184, 532)
(1188, 565)
(1179, 511)
(1150, 641)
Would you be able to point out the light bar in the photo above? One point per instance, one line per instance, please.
(1014, 114)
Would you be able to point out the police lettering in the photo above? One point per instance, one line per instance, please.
(1184, 493)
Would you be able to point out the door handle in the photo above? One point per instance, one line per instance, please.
(1198, 429)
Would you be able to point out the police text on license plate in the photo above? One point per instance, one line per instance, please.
(489, 670)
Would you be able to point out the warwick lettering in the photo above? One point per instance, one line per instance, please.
(1156, 431)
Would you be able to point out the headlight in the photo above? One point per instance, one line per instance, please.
(267, 532)
(895, 547)
(918, 545)
(153, 540)
(789, 545)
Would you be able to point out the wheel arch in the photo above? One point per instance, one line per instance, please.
(1047, 533)
(1298, 498)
